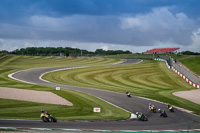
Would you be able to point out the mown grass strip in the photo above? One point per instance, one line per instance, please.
(83, 103)
(149, 79)
(25, 62)
(190, 61)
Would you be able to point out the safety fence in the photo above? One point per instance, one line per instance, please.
(3, 57)
(182, 71)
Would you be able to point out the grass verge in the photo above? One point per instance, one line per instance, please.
(81, 110)
(190, 61)
(25, 62)
(193, 64)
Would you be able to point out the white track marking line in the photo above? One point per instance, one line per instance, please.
(19, 120)
(11, 76)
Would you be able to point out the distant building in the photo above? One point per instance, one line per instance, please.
(161, 51)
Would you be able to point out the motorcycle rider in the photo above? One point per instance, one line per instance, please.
(151, 106)
(44, 112)
(128, 94)
(139, 115)
(162, 113)
(46, 117)
(168, 106)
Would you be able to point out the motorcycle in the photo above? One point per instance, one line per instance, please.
(170, 108)
(163, 114)
(46, 117)
(128, 94)
(153, 109)
(142, 117)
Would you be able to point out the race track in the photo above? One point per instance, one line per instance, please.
(174, 121)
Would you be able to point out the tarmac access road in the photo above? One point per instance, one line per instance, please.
(179, 120)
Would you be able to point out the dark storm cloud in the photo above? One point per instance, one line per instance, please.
(124, 22)
(14, 9)
(158, 25)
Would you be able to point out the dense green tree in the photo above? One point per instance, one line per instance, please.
(189, 53)
(100, 52)
(67, 51)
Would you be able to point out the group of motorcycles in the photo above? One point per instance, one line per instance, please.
(152, 108)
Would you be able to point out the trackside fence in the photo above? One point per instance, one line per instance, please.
(181, 70)
(3, 57)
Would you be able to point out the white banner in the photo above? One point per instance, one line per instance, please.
(57, 88)
(97, 110)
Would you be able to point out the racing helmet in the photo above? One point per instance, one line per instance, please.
(42, 110)
(158, 110)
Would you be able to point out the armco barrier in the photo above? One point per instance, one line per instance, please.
(194, 84)
(192, 77)
(3, 57)
(186, 79)
(164, 61)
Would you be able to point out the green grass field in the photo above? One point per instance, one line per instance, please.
(175, 56)
(25, 62)
(190, 61)
(149, 79)
(83, 103)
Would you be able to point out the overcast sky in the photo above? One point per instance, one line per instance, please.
(135, 25)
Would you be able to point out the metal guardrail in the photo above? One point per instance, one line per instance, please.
(178, 66)
(3, 57)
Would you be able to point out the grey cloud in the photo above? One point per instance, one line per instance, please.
(140, 30)
(161, 25)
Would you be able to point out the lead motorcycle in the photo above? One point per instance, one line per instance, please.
(46, 117)
(128, 94)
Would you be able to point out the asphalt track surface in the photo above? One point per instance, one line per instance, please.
(178, 120)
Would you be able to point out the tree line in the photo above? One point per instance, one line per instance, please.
(68, 51)
(189, 53)
(60, 51)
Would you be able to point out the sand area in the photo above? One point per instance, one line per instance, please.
(33, 96)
